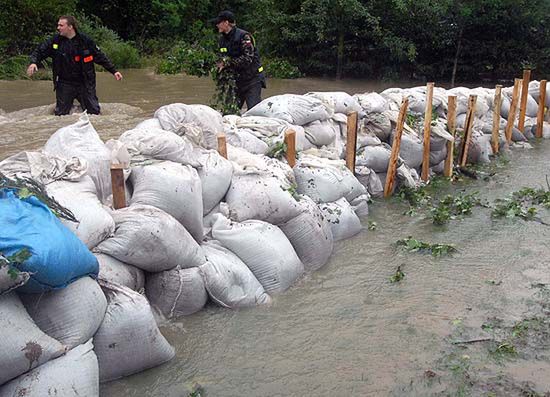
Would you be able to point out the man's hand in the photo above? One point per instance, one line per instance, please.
(220, 65)
(118, 76)
(32, 69)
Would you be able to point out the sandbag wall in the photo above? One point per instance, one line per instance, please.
(200, 227)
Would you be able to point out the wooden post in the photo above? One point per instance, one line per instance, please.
(468, 124)
(523, 102)
(392, 167)
(512, 114)
(351, 141)
(290, 140)
(451, 127)
(542, 105)
(222, 145)
(427, 130)
(496, 118)
(117, 186)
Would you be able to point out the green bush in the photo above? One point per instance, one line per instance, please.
(15, 68)
(280, 68)
(189, 59)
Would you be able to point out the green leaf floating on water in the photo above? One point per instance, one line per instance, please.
(437, 250)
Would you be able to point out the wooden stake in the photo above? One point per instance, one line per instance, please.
(351, 141)
(496, 119)
(523, 102)
(427, 130)
(290, 140)
(542, 105)
(117, 186)
(468, 124)
(222, 145)
(392, 167)
(451, 127)
(512, 114)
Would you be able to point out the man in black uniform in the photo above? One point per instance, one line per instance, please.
(243, 59)
(73, 55)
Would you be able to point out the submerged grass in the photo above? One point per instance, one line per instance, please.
(437, 250)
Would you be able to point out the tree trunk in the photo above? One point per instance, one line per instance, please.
(458, 47)
(340, 60)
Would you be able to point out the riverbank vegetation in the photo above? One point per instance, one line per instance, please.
(447, 40)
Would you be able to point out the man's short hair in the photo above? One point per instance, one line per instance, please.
(224, 16)
(70, 21)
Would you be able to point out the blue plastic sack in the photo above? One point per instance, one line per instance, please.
(58, 257)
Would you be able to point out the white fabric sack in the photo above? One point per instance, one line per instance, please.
(42, 167)
(149, 123)
(117, 272)
(81, 140)
(177, 116)
(23, 345)
(8, 283)
(370, 180)
(71, 315)
(534, 91)
(128, 341)
(215, 174)
(377, 124)
(261, 127)
(360, 205)
(155, 143)
(376, 158)
(339, 102)
(326, 180)
(372, 102)
(246, 139)
(322, 133)
(411, 149)
(343, 220)
(264, 248)
(174, 188)
(295, 109)
(150, 239)
(95, 224)
(177, 292)
(229, 282)
(310, 235)
(74, 374)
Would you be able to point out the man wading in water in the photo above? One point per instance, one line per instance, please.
(74, 55)
(242, 58)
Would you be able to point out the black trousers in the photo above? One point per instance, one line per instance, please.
(66, 93)
(250, 93)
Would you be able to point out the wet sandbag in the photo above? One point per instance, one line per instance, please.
(23, 345)
(378, 124)
(246, 139)
(437, 157)
(338, 101)
(115, 271)
(94, 224)
(321, 133)
(177, 292)
(376, 158)
(229, 282)
(177, 116)
(215, 174)
(158, 144)
(128, 341)
(174, 188)
(342, 219)
(372, 102)
(9, 282)
(149, 123)
(360, 205)
(82, 140)
(151, 240)
(264, 248)
(325, 180)
(411, 149)
(71, 315)
(295, 109)
(74, 374)
(370, 180)
(57, 258)
(310, 235)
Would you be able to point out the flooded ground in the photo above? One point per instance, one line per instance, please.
(474, 323)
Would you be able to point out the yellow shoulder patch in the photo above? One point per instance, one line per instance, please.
(55, 46)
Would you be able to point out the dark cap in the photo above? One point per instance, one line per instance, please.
(223, 16)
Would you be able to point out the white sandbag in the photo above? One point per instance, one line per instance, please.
(310, 235)
(378, 124)
(229, 282)
(42, 167)
(177, 117)
(480, 149)
(177, 292)
(343, 221)
(156, 143)
(9, 283)
(264, 248)
(439, 135)
(370, 180)
(150, 239)
(149, 123)
(260, 126)
(339, 102)
(71, 315)
(301, 141)
(94, 224)
(74, 374)
(326, 180)
(215, 174)
(295, 109)
(360, 205)
(246, 139)
(23, 345)
(376, 158)
(411, 149)
(437, 157)
(372, 102)
(174, 188)
(81, 140)
(321, 132)
(117, 272)
(128, 341)
(534, 91)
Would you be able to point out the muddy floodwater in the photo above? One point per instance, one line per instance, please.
(475, 323)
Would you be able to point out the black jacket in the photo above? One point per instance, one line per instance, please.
(72, 57)
(238, 44)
